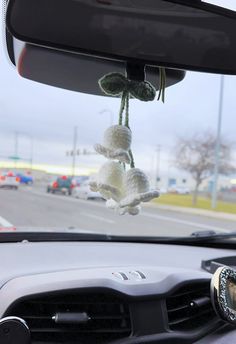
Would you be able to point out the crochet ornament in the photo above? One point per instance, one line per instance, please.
(137, 189)
(110, 181)
(124, 190)
(111, 204)
(116, 143)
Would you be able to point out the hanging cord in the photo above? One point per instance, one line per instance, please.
(127, 110)
(122, 107)
(132, 164)
(162, 84)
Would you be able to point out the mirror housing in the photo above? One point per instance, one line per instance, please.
(174, 34)
(74, 72)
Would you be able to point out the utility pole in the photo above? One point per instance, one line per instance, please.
(15, 156)
(158, 156)
(74, 150)
(218, 145)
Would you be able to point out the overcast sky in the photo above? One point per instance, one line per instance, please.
(49, 115)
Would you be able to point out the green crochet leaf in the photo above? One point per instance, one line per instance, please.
(142, 90)
(113, 84)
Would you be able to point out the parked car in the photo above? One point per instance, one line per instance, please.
(84, 192)
(9, 180)
(25, 179)
(62, 185)
(77, 181)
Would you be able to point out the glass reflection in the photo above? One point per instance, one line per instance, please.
(231, 294)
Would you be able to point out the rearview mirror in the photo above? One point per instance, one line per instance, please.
(176, 34)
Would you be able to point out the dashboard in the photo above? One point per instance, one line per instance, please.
(88, 292)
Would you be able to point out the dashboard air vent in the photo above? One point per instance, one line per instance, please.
(107, 317)
(189, 307)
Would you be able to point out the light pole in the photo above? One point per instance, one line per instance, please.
(16, 151)
(218, 144)
(31, 153)
(109, 112)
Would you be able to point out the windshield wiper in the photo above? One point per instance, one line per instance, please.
(213, 235)
(42, 236)
(63, 236)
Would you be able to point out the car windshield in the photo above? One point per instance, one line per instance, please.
(50, 168)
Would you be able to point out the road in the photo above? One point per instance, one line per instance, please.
(33, 207)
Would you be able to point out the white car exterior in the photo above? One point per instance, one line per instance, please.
(83, 191)
(9, 180)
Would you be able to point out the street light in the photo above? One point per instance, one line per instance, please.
(109, 112)
(16, 145)
(31, 139)
(218, 144)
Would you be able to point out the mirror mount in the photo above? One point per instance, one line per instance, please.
(135, 71)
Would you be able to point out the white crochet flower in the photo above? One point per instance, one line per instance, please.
(137, 189)
(130, 210)
(116, 143)
(110, 181)
(111, 204)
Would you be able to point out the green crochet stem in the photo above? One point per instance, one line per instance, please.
(125, 106)
(132, 164)
(127, 111)
(162, 84)
(122, 107)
